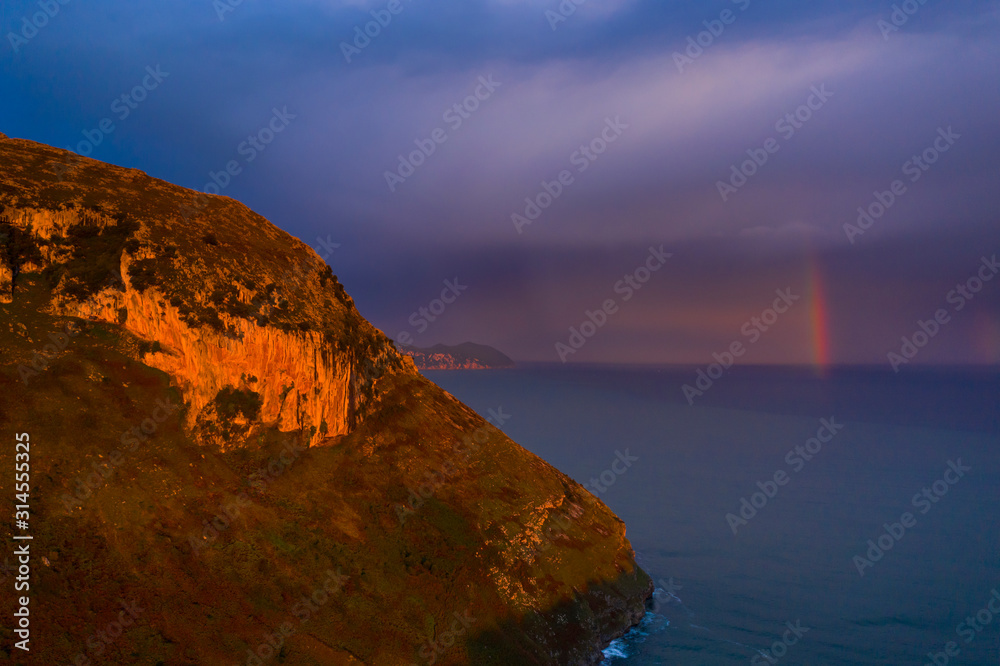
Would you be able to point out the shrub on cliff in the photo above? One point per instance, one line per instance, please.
(230, 402)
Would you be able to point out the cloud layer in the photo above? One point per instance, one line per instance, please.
(691, 113)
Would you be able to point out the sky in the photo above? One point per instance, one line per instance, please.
(520, 169)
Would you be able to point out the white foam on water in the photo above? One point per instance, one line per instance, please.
(621, 647)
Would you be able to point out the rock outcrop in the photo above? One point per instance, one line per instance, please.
(312, 365)
(6, 280)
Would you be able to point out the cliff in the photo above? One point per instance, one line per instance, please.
(256, 310)
(222, 441)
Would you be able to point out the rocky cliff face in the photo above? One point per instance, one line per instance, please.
(306, 444)
(218, 304)
(6, 281)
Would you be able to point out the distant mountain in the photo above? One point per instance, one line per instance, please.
(466, 356)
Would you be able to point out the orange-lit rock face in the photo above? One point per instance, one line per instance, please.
(6, 279)
(304, 381)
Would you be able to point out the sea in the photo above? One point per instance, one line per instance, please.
(789, 515)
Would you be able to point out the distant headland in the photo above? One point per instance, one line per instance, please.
(466, 356)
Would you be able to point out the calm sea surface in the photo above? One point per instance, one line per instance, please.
(910, 462)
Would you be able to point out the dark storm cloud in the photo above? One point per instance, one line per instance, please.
(324, 177)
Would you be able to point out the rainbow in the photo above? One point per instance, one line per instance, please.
(987, 338)
(818, 318)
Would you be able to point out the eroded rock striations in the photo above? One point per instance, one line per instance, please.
(426, 511)
(220, 314)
